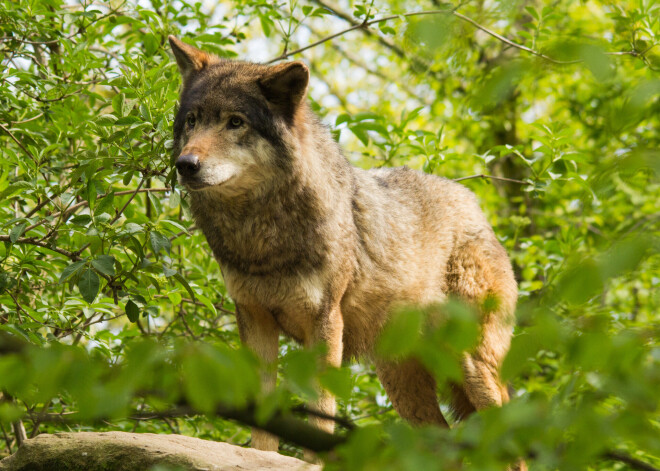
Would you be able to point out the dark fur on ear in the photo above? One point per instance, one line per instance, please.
(284, 85)
(190, 59)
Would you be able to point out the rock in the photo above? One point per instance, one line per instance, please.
(121, 451)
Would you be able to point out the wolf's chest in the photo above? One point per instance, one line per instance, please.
(273, 290)
(264, 249)
(292, 300)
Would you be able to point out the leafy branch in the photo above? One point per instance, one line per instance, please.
(294, 430)
(65, 213)
(364, 25)
(32, 241)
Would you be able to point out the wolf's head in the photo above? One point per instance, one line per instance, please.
(235, 124)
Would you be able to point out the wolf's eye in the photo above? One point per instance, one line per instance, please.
(235, 122)
(191, 120)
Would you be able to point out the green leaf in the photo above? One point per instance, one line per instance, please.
(132, 311)
(105, 204)
(155, 201)
(175, 199)
(360, 133)
(207, 302)
(71, 270)
(174, 297)
(127, 178)
(400, 334)
(266, 25)
(89, 285)
(106, 120)
(105, 264)
(532, 12)
(185, 284)
(300, 370)
(342, 118)
(15, 188)
(150, 44)
(118, 104)
(159, 242)
(16, 232)
(338, 381)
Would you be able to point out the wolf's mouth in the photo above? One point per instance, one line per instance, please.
(190, 186)
(193, 184)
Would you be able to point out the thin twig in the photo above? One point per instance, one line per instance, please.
(182, 316)
(50, 100)
(64, 333)
(67, 212)
(18, 143)
(118, 215)
(217, 306)
(31, 241)
(383, 41)
(492, 177)
(28, 120)
(19, 307)
(511, 43)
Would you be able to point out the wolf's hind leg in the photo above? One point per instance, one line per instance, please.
(461, 406)
(412, 391)
(482, 386)
(479, 272)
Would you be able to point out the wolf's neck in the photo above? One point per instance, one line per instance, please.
(277, 229)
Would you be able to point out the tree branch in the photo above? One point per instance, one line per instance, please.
(365, 25)
(28, 120)
(284, 426)
(19, 432)
(629, 460)
(80, 30)
(383, 41)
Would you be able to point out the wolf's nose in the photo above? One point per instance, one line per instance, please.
(187, 164)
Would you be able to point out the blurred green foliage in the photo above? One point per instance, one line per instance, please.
(125, 309)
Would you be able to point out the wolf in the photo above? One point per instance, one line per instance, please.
(321, 251)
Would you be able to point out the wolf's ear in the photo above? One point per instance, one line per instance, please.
(285, 85)
(190, 59)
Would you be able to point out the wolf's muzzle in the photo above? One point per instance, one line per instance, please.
(187, 165)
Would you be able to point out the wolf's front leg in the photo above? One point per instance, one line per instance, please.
(259, 331)
(329, 330)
